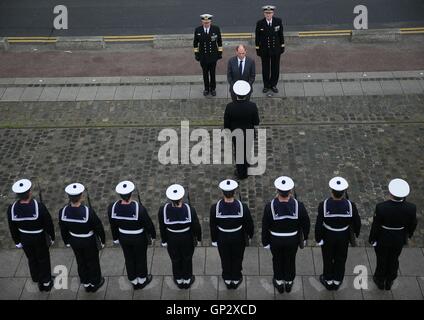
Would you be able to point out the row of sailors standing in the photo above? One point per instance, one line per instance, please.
(285, 227)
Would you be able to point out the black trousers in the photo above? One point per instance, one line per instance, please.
(231, 250)
(284, 259)
(247, 147)
(387, 262)
(88, 263)
(209, 75)
(181, 250)
(135, 259)
(270, 69)
(38, 256)
(334, 255)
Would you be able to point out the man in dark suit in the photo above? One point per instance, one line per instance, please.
(269, 40)
(394, 221)
(241, 67)
(240, 117)
(207, 46)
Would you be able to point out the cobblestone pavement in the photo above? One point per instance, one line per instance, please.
(367, 139)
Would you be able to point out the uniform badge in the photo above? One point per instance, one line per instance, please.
(262, 29)
(277, 28)
(199, 34)
(213, 38)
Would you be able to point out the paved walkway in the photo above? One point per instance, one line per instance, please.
(257, 284)
(190, 87)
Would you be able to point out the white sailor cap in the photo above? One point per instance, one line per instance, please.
(241, 88)
(175, 192)
(124, 187)
(399, 188)
(268, 8)
(206, 17)
(228, 185)
(284, 183)
(74, 189)
(338, 184)
(21, 186)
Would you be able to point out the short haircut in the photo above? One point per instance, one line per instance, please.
(241, 46)
(337, 194)
(284, 193)
(75, 198)
(228, 194)
(126, 197)
(24, 195)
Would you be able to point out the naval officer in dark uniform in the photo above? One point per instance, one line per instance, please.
(29, 223)
(394, 221)
(269, 40)
(180, 231)
(207, 45)
(130, 223)
(284, 221)
(81, 228)
(336, 215)
(241, 115)
(230, 223)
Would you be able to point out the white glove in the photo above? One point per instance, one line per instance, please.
(320, 243)
(374, 244)
(214, 244)
(102, 245)
(19, 245)
(267, 247)
(115, 241)
(304, 243)
(51, 242)
(68, 246)
(164, 244)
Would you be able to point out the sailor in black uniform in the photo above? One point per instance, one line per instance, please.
(394, 221)
(336, 215)
(81, 228)
(207, 46)
(230, 225)
(130, 223)
(284, 221)
(32, 230)
(180, 231)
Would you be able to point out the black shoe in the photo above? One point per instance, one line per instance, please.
(274, 89)
(288, 287)
(279, 287)
(335, 287)
(378, 283)
(213, 93)
(324, 283)
(149, 278)
(136, 286)
(99, 285)
(205, 92)
(179, 285)
(236, 285)
(388, 285)
(192, 279)
(88, 289)
(265, 90)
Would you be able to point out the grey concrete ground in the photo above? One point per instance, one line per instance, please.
(366, 127)
(15, 282)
